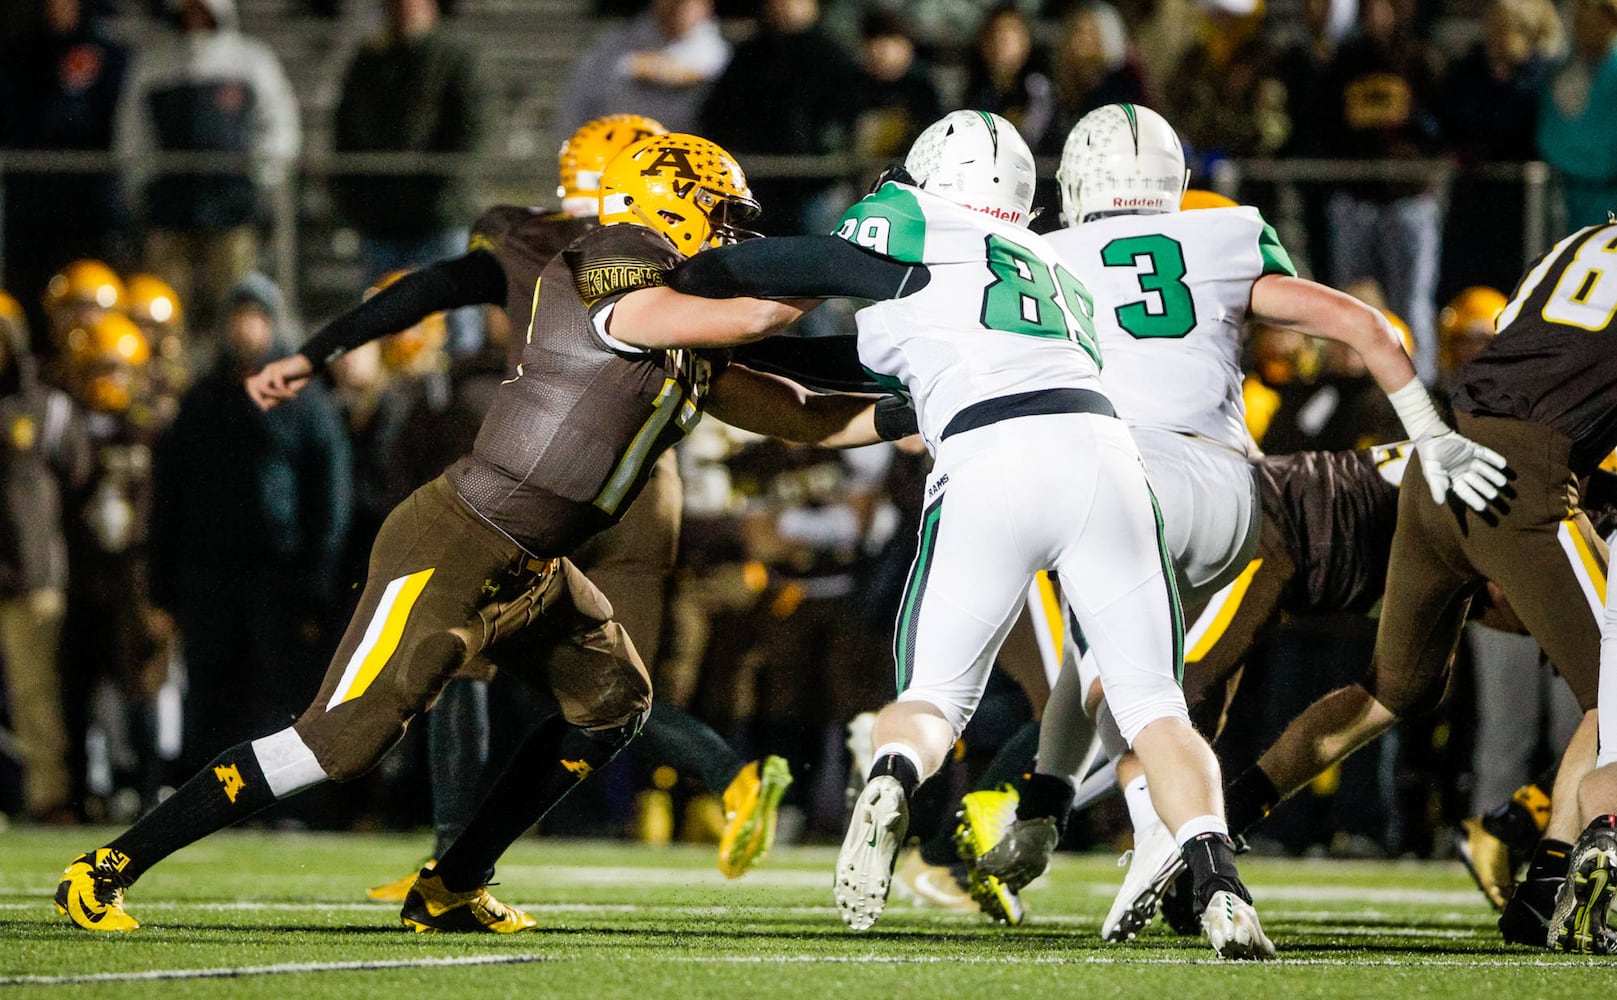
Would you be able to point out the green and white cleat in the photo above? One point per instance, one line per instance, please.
(881, 818)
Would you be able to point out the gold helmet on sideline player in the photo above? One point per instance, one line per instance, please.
(78, 294)
(1197, 198)
(683, 186)
(1467, 324)
(587, 152)
(153, 304)
(104, 361)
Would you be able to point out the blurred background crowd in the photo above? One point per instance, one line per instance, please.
(187, 189)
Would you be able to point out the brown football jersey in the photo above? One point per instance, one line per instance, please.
(524, 241)
(573, 435)
(1552, 361)
(1332, 513)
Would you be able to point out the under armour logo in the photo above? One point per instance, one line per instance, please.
(490, 588)
(579, 768)
(231, 779)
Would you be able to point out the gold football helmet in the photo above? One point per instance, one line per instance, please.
(1198, 198)
(84, 282)
(1467, 324)
(683, 186)
(104, 362)
(152, 303)
(1473, 311)
(587, 152)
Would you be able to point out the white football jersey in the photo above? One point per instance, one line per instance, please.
(1172, 292)
(999, 316)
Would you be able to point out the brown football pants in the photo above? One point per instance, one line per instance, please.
(444, 589)
(1537, 546)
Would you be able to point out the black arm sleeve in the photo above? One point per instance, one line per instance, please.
(473, 279)
(797, 267)
(824, 364)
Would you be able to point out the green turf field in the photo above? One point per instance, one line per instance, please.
(282, 915)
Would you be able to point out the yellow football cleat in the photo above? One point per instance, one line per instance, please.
(750, 807)
(396, 890)
(984, 818)
(1487, 858)
(91, 892)
(429, 906)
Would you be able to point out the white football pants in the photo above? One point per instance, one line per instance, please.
(1064, 492)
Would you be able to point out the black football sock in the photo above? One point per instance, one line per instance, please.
(1249, 798)
(554, 760)
(1211, 859)
(457, 758)
(1551, 859)
(685, 743)
(897, 766)
(228, 790)
(1045, 795)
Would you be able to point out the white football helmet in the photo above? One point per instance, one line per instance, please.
(976, 159)
(1121, 158)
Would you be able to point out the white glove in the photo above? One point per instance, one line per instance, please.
(1452, 462)
(1448, 460)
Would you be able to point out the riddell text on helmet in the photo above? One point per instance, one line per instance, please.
(998, 213)
(1152, 201)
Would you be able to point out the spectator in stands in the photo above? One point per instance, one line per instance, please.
(205, 88)
(412, 89)
(59, 85)
(251, 511)
(896, 97)
(1489, 106)
(1093, 68)
(46, 454)
(1008, 75)
(659, 65)
(1380, 104)
(1224, 93)
(1302, 69)
(790, 89)
(1577, 128)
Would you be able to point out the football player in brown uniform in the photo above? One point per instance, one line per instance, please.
(1541, 395)
(632, 562)
(615, 367)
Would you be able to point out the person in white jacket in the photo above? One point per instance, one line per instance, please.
(205, 88)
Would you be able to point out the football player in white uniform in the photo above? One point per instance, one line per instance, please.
(1173, 293)
(1032, 471)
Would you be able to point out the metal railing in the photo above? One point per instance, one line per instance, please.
(1229, 177)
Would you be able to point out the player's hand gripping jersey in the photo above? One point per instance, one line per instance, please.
(1000, 315)
(1174, 289)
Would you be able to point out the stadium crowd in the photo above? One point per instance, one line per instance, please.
(176, 564)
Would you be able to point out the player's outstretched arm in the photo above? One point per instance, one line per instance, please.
(472, 279)
(809, 267)
(1448, 460)
(660, 317)
(777, 407)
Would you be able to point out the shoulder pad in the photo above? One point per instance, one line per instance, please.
(619, 258)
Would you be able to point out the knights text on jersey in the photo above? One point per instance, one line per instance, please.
(1336, 511)
(1173, 290)
(999, 316)
(1551, 361)
(573, 436)
(524, 240)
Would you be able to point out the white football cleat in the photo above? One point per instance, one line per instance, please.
(1153, 865)
(881, 817)
(1232, 928)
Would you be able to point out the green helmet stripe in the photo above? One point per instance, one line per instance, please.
(1134, 125)
(993, 130)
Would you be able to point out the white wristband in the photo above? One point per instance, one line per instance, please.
(1415, 411)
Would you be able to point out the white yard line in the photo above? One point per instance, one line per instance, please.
(281, 969)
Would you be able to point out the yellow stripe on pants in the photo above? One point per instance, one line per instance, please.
(382, 637)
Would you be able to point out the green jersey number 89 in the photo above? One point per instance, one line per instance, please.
(1033, 298)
